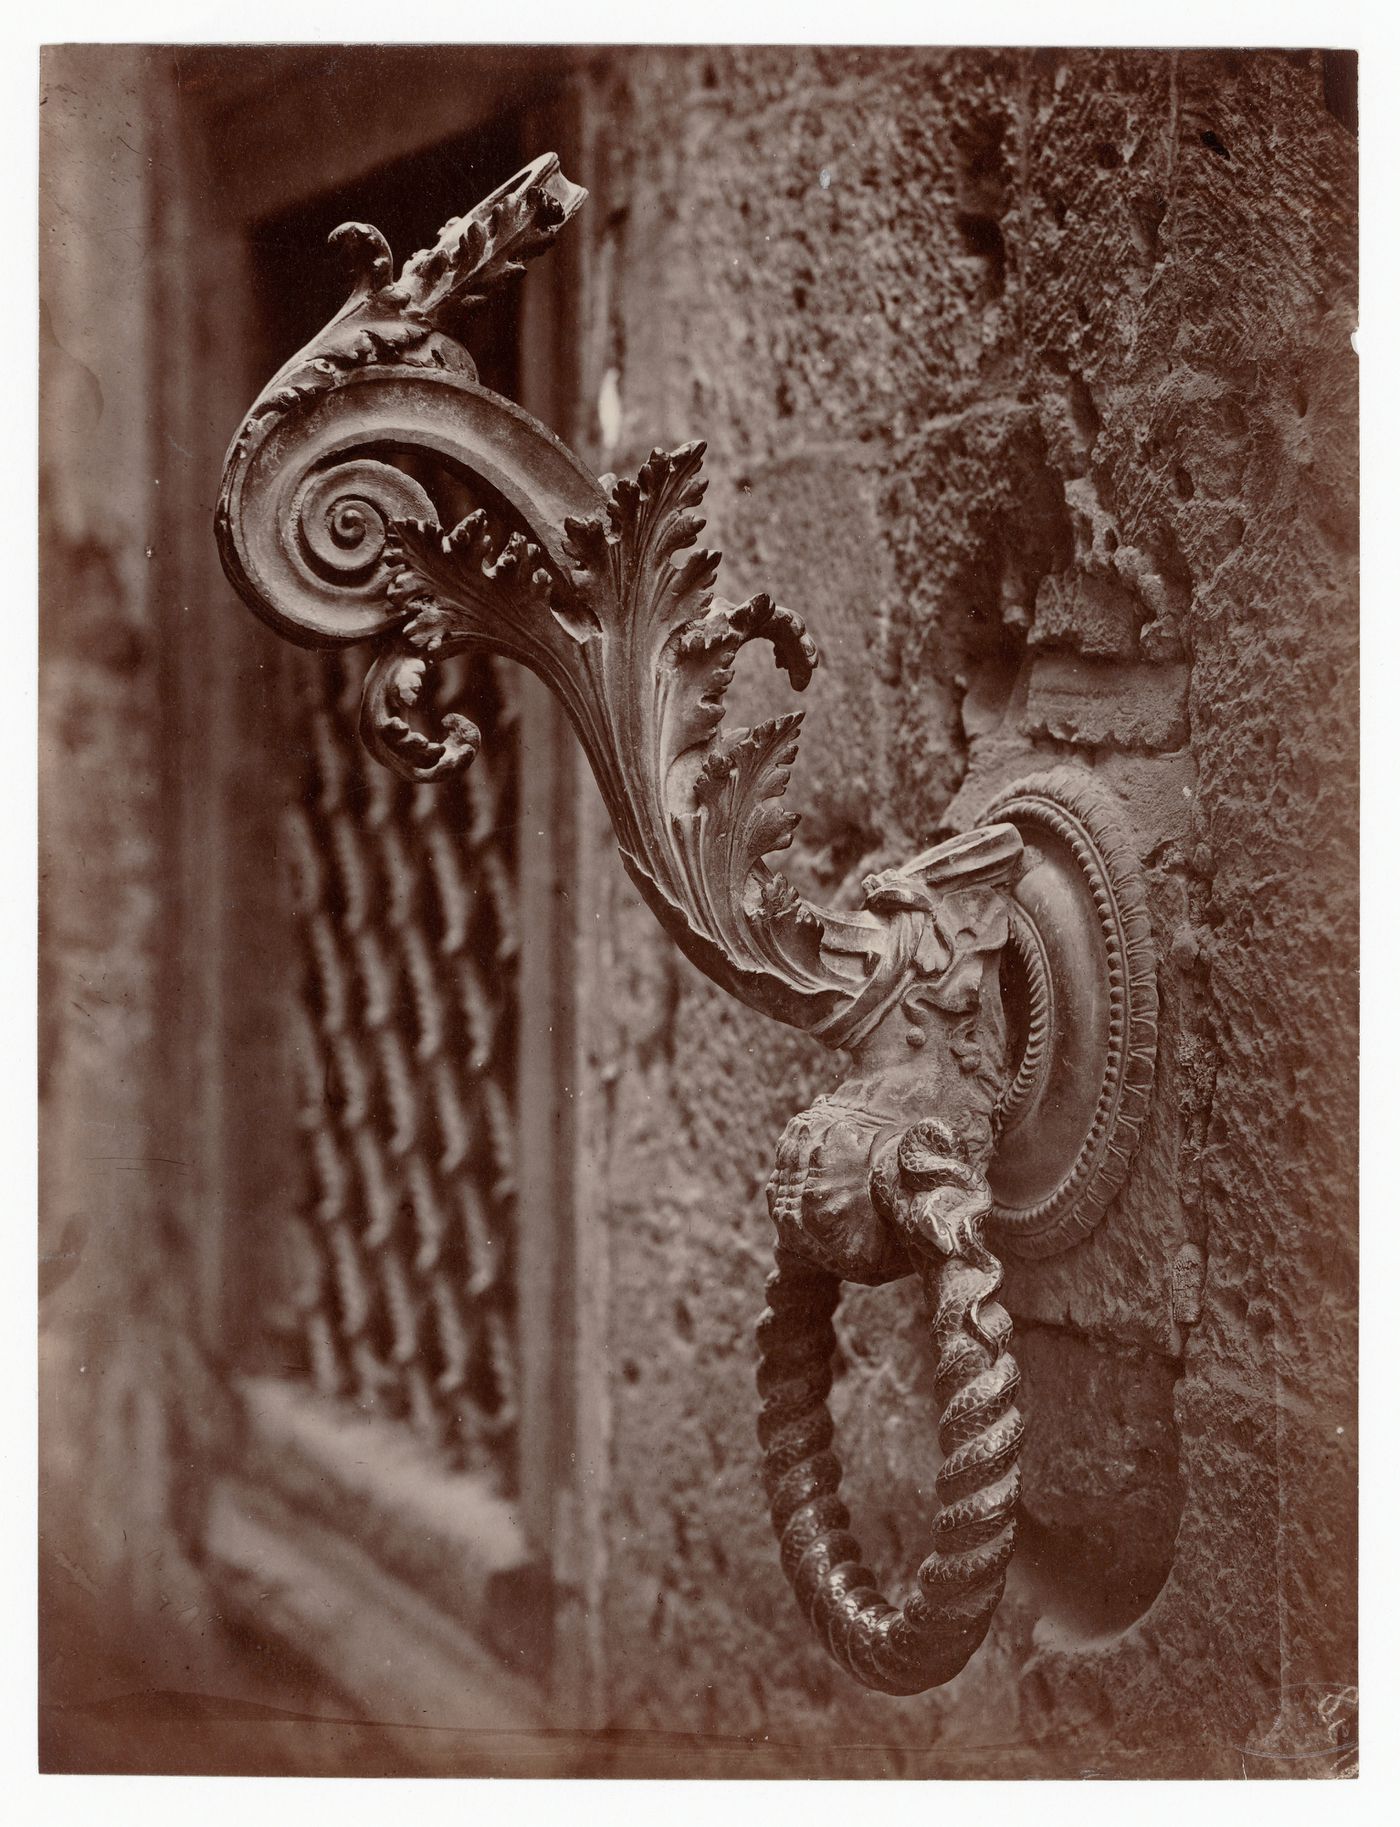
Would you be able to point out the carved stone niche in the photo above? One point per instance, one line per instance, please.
(994, 998)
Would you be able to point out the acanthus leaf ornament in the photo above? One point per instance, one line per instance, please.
(994, 995)
(418, 317)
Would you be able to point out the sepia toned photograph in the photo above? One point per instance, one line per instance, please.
(656, 1165)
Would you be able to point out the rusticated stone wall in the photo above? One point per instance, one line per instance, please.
(1027, 377)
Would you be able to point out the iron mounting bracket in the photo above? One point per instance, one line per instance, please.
(995, 996)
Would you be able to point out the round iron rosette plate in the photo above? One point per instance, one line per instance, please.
(1080, 989)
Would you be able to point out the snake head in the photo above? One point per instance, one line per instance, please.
(930, 1182)
(931, 1185)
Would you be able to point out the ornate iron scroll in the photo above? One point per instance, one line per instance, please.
(995, 994)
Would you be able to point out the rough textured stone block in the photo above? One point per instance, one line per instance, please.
(1105, 704)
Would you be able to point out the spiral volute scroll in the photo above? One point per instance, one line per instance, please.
(924, 1643)
(340, 518)
(306, 536)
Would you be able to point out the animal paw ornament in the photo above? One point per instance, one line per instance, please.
(994, 997)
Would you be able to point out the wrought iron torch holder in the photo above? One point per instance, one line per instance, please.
(994, 998)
